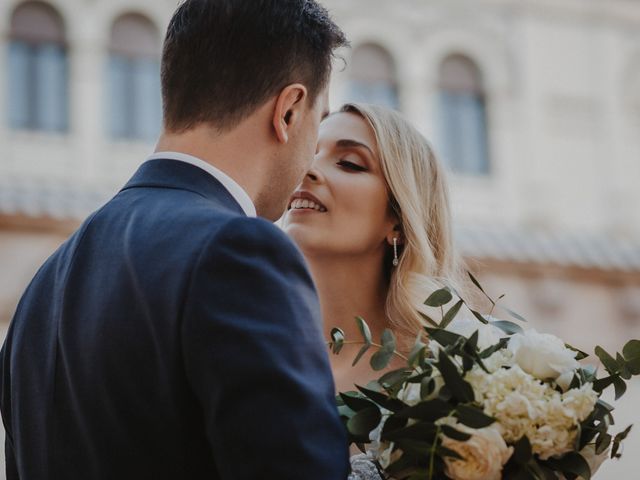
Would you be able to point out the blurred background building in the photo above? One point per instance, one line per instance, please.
(534, 105)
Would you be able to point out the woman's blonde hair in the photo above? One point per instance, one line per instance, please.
(420, 200)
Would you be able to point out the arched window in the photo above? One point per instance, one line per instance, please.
(135, 105)
(372, 78)
(37, 69)
(463, 116)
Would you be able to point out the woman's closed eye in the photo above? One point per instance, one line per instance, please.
(346, 164)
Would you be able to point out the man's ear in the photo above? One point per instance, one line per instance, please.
(288, 110)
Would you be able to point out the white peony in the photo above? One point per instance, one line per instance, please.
(542, 355)
(523, 405)
(484, 454)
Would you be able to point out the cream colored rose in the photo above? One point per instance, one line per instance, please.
(542, 355)
(484, 454)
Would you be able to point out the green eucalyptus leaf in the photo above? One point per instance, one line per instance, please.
(414, 447)
(617, 441)
(486, 353)
(428, 319)
(472, 342)
(425, 431)
(417, 378)
(602, 383)
(580, 354)
(459, 388)
(355, 401)
(622, 363)
(620, 387)
(388, 339)
(427, 387)
(362, 351)
(361, 424)
(430, 410)
(364, 330)
(522, 451)
(603, 442)
(337, 340)
(480, 317)
(439, 298)
(392, 404)
(451, 432)
(515, 315)
(451, 314)
(393, 423)
(473, 417)
(394, 377)
(443, 337)
(416, 355)
(381, 359)
(477, 284)
(507, 327)
(631, 352)
(447, 452)
(607, 360)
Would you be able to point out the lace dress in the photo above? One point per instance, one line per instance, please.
(363, 468)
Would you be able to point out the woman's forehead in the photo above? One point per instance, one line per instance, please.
(347, 126)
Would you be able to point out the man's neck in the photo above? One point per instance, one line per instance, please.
(229, 152)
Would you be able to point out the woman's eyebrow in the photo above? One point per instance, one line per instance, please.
(346, 143)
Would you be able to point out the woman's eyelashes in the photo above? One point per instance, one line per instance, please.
(346, 164)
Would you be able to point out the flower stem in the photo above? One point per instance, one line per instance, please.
(432, 453)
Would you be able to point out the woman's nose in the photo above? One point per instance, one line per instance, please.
(314, 174)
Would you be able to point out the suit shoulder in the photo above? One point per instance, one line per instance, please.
(255, 232)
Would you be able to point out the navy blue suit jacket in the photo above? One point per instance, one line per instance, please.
(171, 337)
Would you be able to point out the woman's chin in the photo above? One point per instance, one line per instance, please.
(302, 235)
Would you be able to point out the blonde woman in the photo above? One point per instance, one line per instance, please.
(372, 219)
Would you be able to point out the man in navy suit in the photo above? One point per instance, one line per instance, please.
(175, 335)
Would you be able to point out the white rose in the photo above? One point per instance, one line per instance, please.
(484, 454)
(542, 355)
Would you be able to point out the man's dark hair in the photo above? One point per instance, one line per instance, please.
(224, 58)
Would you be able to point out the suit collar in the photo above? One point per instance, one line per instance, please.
(167, 173)
(229, 183)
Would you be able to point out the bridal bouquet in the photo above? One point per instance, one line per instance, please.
(485, 400)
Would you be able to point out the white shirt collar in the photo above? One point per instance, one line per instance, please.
(236, 191)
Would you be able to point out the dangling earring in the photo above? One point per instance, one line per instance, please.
(395, 252)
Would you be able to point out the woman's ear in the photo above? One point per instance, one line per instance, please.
(397, 234)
